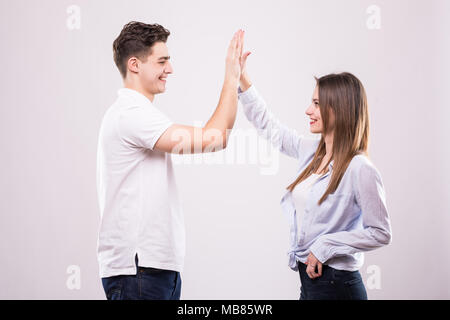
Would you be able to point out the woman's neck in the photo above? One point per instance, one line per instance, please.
(328, 145)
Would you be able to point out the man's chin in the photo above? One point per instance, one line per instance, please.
(159, 91)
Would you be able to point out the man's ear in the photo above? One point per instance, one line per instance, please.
(133, 65)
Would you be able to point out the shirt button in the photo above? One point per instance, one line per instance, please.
(332, 282)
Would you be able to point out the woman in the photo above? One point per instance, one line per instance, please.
(336, 206)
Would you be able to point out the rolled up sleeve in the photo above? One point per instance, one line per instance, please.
(376, 231)
(286, 140)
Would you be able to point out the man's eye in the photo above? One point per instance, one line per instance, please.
(162, 62)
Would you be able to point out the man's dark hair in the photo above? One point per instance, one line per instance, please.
(136, 40)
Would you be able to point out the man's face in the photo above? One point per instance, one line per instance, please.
(154, 71)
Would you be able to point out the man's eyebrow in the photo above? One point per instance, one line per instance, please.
(164, 58)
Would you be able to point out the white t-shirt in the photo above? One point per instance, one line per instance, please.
(299, 197)
(139, 206)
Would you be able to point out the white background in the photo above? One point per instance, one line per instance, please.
(57, 83)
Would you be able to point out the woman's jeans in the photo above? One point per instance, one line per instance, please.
(333, 284)
(147, 284)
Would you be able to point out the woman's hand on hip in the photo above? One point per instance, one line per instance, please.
(311, 265)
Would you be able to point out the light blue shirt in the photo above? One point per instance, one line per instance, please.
(351, 220)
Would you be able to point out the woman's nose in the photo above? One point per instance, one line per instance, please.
(308, 111)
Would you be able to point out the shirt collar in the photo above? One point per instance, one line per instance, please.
(137, 96)
(330, 168)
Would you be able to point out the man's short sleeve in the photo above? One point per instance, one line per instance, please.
(142, 126)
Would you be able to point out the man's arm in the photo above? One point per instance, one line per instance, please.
(214, 135)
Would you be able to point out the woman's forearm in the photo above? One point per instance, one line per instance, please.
(244, 81)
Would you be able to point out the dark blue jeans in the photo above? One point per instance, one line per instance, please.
(332, 285)
(147, 284)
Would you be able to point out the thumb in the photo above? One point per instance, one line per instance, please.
(244, 57)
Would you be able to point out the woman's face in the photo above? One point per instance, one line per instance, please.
(313, 112)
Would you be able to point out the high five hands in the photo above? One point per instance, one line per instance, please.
(236, 71)
(236, 59)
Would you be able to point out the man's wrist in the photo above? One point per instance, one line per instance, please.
(231, 80)
(230, 83)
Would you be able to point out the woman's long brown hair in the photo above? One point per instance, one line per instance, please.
(344, 95)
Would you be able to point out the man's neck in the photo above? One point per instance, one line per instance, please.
(137, 87)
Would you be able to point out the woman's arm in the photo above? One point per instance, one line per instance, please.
(376, 232)
(286, 140)
(244, 81)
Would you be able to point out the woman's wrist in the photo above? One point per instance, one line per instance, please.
(244, 82)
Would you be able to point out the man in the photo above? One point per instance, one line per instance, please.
(141, 242)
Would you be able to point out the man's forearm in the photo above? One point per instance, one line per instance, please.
(224, 116)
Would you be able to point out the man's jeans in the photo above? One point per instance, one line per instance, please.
(332, 285)
(147, 284)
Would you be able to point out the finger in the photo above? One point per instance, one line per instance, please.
(238, 45)
(244, 57)
(242, 43)
(310, 272)
(233, 42)
(313, 271)
(319, 267)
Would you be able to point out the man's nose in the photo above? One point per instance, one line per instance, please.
(169, 68)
